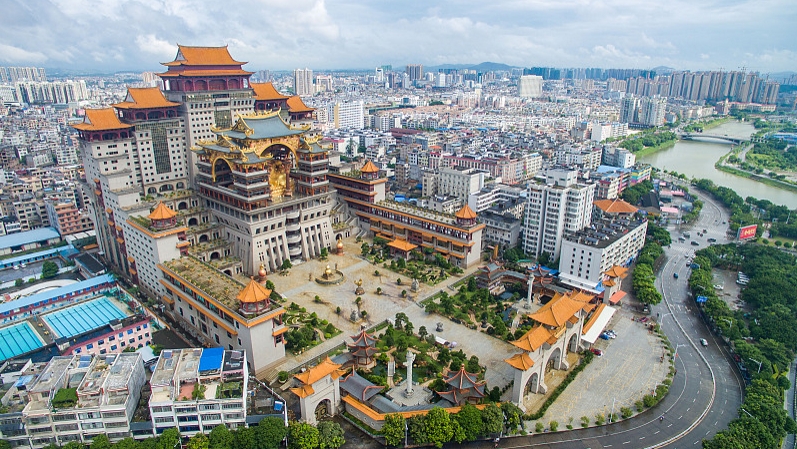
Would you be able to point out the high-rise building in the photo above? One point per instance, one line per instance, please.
(629, 108)
(530, 86)
(14, 74)
(210, 88)
(323, 83)
(558, 206)
(379, 75)
(415, 72)
(652, 110)
(348, 114)
(303, 82)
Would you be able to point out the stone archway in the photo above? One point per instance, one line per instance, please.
(222, 173)
(323, 409)
(203, 238)
(182, 205)
(572, 345)
(215, 255)
(554, 360)
(533, 385)
(193, 221)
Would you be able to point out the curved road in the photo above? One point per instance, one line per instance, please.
(706, 391)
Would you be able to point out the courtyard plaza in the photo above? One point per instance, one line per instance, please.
(629, 368)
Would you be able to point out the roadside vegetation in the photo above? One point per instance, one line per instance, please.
(762, 338)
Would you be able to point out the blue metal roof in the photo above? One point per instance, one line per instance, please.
(23, 238)
(211, 359)
(39, 297)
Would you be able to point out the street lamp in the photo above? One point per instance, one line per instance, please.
(748, 413)
(759, 364)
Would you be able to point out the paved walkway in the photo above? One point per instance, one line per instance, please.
(299, 288)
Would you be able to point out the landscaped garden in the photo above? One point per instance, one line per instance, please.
(477, 308)
(424, 264)
(307, 330)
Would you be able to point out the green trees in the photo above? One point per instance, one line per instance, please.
(634, 193)
(393, 429)
(49, 269)
(643, 278)
(469, 419)
(437, 426)
(269, 433)
(286, 264)
(492, 419)
(221, 437)
(330, 435)
(303, 436)
(169, 439)
(198, 441)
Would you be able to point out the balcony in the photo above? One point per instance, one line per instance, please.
(295, 251)
(294, 239)
(293, 227)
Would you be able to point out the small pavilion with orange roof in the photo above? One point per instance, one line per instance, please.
(319, 390)
(146, 103)
(369, 171)
(102, 124)
(199, 69)
(556, 332)
(465, 216)
(254, 298)
(162, 217)
(612, 282)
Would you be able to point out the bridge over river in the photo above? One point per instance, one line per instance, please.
(702, 136)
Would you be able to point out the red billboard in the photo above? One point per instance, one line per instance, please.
(747, 232)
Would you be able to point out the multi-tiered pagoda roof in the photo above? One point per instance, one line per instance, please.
(464, 386)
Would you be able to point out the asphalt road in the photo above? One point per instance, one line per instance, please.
(706, 391)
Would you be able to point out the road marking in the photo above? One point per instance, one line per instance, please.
(669, 425)
(626, 442)
(641, 438)
(696, 442)
(654, 433)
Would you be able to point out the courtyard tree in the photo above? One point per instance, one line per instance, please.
(286, 264)
(469, 419)
(244, 438)
(437, 424)
(269, 285)
(473, 365)
(401, 318)
(49, 269)
(198, 441)
(324, 253)
(169, 438)
(127, 443)
(303, 436)
(513, 415)
(330, 435)
(269, 433)
(492, 419)
(393, 429)
(100, 441)
(408, 328)
(422, 332)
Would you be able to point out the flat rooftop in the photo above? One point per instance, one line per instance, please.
(207, 279)
(604, 232)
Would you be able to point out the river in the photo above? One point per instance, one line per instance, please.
(696, 158)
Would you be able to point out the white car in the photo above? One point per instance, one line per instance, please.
(703, 342)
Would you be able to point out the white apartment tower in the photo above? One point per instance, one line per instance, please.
(558, 206)
(460, 182)
(348, 114)
(530, 86)
(303, 82)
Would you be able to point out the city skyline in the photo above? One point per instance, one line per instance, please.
(131, 35)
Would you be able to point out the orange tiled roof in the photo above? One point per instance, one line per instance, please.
(520, 361)
(318, 372)
(100, 120)
(593, 318)
(199, 72)
(616, 206)
(557, 311)
(465, 213)
(162, 212)
(253, 292)
(267, 91)
(295, 104)
(582, 296)
(609, 283)
(303, 391)
(369, 167)
(533, 339)
(142, 98)
(402, 245)
(616, 271)
(188, 56)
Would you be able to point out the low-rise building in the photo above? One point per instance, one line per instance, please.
(198, 389)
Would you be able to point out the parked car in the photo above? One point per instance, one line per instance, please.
(644, 319)
(712, 240)
(605, 336)
(694, 243)
(611, 332)
(596, 351)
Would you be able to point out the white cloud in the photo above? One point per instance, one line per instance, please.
(279, 34)
(15, 55)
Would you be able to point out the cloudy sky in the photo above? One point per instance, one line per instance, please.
(111, 35)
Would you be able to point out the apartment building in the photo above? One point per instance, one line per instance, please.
(459, 182)
(558, 206)
(589, 253)
(66, 218)
(198, 389)
(77, 397)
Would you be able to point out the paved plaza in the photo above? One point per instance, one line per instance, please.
(629, 369)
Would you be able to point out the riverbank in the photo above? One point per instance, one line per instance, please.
(755, 177)
(722, 166)
(716, 122)
(660, 147)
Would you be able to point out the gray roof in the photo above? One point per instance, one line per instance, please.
(24, 238)
(264, 128)
(359, 387)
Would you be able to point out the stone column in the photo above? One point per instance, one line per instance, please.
(410, 358)
(530, 282)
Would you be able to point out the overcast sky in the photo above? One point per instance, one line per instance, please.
(112, 35)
